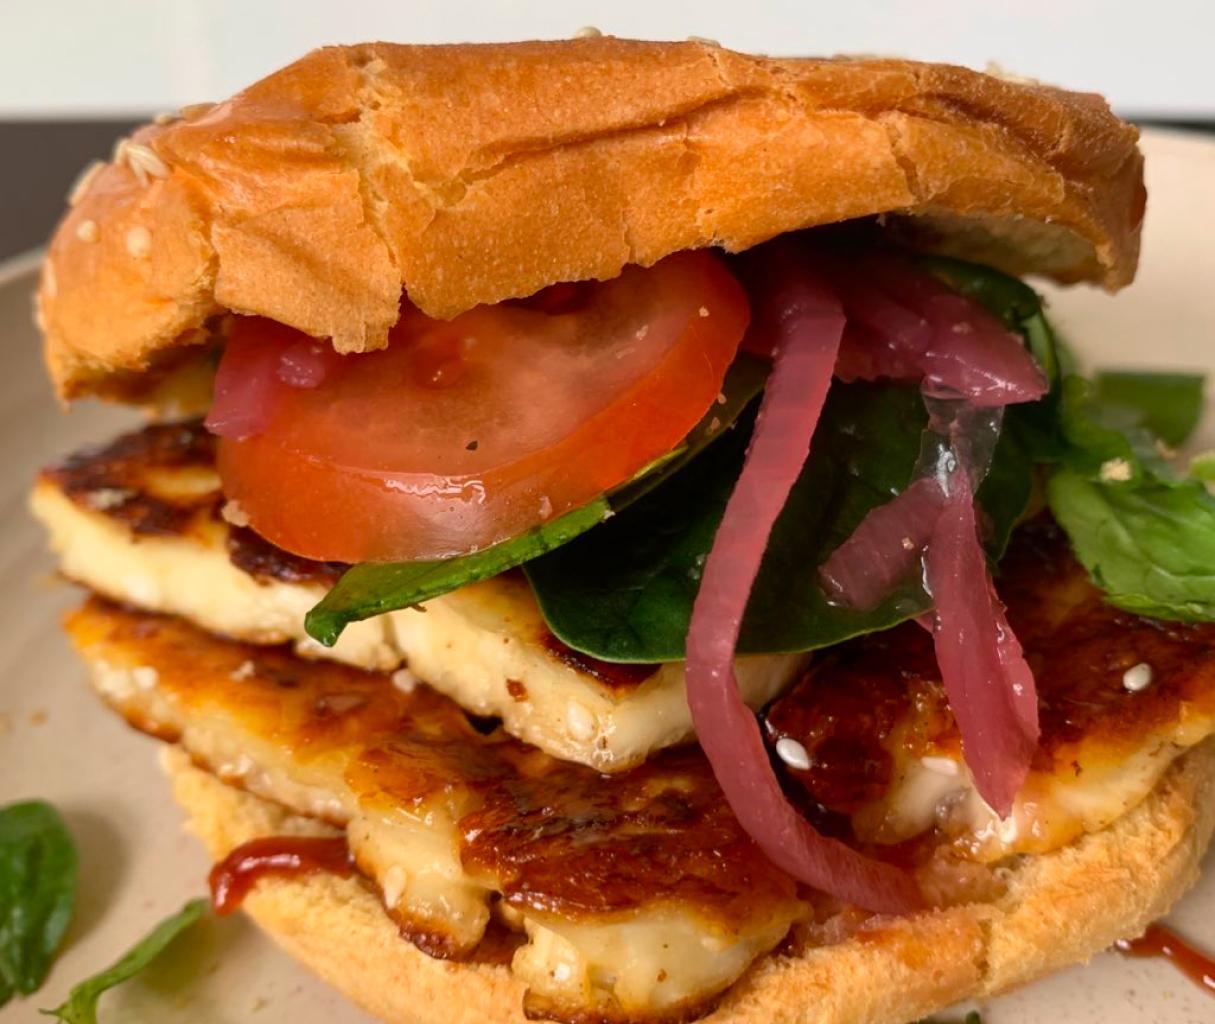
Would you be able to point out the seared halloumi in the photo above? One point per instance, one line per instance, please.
(640, 895)
(140, 522)
(1120, 698)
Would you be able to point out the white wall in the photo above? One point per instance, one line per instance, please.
(73, 57)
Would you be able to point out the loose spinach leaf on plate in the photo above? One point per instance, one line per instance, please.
(624, 591)
(37, 893)
(374, 588)
(81, 1005)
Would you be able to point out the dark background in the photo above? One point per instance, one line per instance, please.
(43, 158)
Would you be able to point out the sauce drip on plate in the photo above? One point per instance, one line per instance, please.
(1159, 941)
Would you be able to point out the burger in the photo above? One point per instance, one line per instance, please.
(616, 541)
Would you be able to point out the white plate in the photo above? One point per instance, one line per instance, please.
(58, 744)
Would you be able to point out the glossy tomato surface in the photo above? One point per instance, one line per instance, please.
(463, 433)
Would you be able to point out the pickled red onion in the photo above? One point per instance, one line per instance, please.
(807, 322)
(989, 685)
(884, 548)
(904, 323)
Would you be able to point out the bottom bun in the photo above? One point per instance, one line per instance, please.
(1058, 909)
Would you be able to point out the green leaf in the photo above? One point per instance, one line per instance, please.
(624, 592)
(81, 1005)
(1149, 545)
(1167, 404)
(37, 893)
(375, 588)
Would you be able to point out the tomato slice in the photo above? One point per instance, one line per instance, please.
(466, 432)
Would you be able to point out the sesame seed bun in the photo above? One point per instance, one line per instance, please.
(470, 174)
(1060, 908)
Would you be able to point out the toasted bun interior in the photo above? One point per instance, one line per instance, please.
(469, 174)
(1059, 909)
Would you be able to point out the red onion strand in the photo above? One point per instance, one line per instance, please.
(808, 325)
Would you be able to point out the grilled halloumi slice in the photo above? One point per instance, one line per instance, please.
(640, 895)
(1120, 698)
(140, 522)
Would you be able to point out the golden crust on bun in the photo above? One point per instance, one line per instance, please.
(469, 174)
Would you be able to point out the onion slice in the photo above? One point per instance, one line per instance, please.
(904, 323)
(989, 685)
(887, 544)
(807, 323)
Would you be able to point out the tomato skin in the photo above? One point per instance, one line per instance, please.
(465, 433)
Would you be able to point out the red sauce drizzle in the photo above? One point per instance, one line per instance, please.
(277, 856)
(1158, 941)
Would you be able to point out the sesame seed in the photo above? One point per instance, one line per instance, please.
(642, 331)
(144, 163)
(793, 753)
(118, 154)
(579, 721)
(83, 180)
(703, 39)
(908, 544)
(940, 765)
(1116, 471)
(404, 680)
(192, 110)
(139, 241)
(49, 282)
(1137, 677)
(164, 118)
(588, 32)
(721, 398)
(546, 506)
(87, 231)
(714, 425)
(704, 311)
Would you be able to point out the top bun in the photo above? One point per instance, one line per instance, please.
(470, 174)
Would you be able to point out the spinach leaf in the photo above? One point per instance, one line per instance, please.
(1167, 404)
(374, 588)
(81, 1005)
(1149, 545)
(1144, 532)
(37, 893)
(624, 591)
